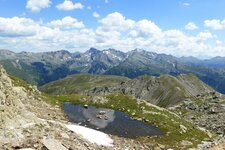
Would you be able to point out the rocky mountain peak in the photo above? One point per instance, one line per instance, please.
(63, 52)
(60, 53)
(25, 53)
(93, 51)
(6, 53)
(138, 51)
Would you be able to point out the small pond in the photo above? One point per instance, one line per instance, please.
(109, 121)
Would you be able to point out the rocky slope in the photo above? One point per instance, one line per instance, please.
(206, 111)
(24, 119)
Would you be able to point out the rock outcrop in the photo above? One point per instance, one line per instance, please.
(19, 126)
(13, 113)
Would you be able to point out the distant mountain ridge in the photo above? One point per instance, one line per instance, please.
(42, 68)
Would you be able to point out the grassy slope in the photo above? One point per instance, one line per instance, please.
(21, 70)
(176, 89)
(79, 83)
(170, 90)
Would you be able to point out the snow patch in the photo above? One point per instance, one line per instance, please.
(106, 52)
(92, 135)
(112, 55)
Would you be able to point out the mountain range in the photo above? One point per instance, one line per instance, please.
(42, 68)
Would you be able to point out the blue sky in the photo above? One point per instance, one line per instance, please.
(178, 27)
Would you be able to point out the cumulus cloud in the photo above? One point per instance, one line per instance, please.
(215, 24)
(191, 26)
(205, 35)
(147, 28)
(37, 5)
(17, 27)
(95, 14)
(26, 34)
(67, 22)
(116, 21)
(113, 31)
(68, 5)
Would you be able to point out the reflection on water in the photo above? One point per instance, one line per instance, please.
(109, 121)
(92, 112)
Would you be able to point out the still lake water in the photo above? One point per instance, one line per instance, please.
(109, 121)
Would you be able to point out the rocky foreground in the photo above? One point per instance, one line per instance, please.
(28, 122)
(208, 112)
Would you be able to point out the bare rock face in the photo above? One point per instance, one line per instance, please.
(13, 114)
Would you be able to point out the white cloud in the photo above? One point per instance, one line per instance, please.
(17, 27)
(25, 34)
(147, 28)
(191, 26)
(205, 35)
(186, 4)
(68, 5)
(37, 5)
(95, 14)
(218, 42)
(113, 31)
(66, 23)
(116, 21)
(215, 24)
(121, 33)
